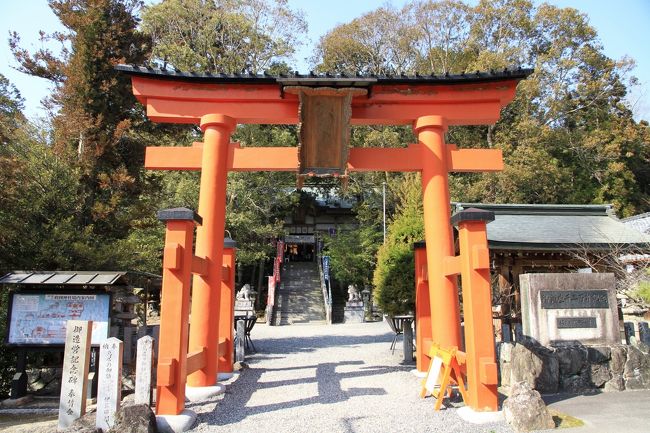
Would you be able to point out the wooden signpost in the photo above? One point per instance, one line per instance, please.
(72, 404)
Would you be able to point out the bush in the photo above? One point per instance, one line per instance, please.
(394, 277)
(643, 291)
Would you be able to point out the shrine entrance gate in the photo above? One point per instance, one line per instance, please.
(325, 106)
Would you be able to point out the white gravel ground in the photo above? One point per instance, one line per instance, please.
(333, 379)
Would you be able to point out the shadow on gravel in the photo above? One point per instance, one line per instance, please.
(309, 344)
(234, 407)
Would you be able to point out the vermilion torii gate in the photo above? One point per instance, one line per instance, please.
(324, 106)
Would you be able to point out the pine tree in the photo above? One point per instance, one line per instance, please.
(93, 108)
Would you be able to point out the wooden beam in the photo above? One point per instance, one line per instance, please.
(172, 158)
(385, 159)
(426, 346)
(286, 112)
(225, 273)
(172, 256)
(196, 360)
(223, 347)
(199, 265)
(263, 158)
(459, 104)
(239, 158)
(361, 159)
(452, 265)
(461, 113)
(166, 372)
(473, 160)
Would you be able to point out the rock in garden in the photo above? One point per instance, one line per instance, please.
(535, 365)
(571, 360)
(616, 383)
(599, 354)
(239, 365)
(599, 374)
(637, 369)
(85, 424)
(136, 418)
(618, 358)
(525, 410)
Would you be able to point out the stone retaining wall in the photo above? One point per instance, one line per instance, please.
(575, 368)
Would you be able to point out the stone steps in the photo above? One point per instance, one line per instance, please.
(300, 300)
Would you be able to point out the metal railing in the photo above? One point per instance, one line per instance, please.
(326, 289)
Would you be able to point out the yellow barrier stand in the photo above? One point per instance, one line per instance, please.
(449, 361)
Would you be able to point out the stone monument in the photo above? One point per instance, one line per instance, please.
(76, 361)
(109, 389)
(353, 311)
(560, 309)
(143, 369)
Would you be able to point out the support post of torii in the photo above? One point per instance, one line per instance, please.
(443, 292)
(206, 289)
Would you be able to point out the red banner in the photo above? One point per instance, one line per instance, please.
(280, 254)
(270, 300)
(276, 270)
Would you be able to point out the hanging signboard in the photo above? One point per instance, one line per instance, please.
(276, 270)
(300, 239)
(38, 318)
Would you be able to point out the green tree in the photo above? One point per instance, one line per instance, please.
(380, 42)
(568, 137)
(233, 37)
(353, 252)
(394, 276)
(93, 106)
(228, 36)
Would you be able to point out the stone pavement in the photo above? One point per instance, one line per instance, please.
(330, 379)
(611, 412)
(343, 379)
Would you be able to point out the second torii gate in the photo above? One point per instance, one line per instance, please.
(324, 106)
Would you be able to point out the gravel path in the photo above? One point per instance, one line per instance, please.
(339, 378)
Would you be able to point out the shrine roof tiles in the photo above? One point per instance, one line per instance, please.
(71, 278)
(549, 227)
(326, 79)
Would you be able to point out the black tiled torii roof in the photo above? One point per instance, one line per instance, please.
(327, 79)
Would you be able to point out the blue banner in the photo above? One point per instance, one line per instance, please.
(326, 267)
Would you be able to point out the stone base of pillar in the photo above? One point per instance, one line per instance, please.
(353, 312)
(202, 393)
(222, 377)
(176, 423)
(419, 374)
(468, 414)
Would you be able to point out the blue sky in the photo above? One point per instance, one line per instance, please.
(622, 29)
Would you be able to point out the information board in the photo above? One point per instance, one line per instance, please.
(39, 318)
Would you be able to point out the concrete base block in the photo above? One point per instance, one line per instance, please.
(202, 393)
(16, 402)
(420, 374)
(353, 315)
(224, 377)
(468, 414)
(176, 423)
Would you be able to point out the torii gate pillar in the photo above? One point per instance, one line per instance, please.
(443, 292)
(206, 289)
